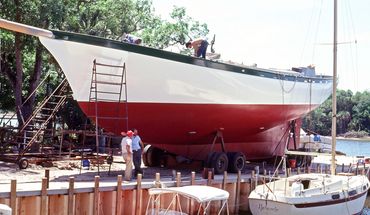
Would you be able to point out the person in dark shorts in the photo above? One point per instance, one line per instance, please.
(137, 149)
(200, 47)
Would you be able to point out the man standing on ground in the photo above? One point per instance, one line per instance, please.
(137, 149)
(126, 145)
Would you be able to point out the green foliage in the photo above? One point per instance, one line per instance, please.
(112, 18)
(103, 18)
(353, 115)
(361, 112)
(179, 30)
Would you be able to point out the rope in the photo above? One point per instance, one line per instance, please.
(281, 80)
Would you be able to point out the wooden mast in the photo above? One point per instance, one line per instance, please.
(334, 95)
(25, 29)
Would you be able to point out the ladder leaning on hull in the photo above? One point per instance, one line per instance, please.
(107, 85)
(97, 94)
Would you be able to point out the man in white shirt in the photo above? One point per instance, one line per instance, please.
(126, 145)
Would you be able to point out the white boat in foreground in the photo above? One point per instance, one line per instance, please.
(314, 193)
(310, 194)
(204, 196)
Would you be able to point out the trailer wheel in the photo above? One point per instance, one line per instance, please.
(23, 163)
(208, 161)
(220, 162)
(153, 156)
(236, 161)
(145, 157)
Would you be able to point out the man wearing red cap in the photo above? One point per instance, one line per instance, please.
(126, 145)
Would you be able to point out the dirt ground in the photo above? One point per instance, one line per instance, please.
(62, 170)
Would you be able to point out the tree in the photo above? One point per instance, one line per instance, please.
(179, 30)
(21, 61)
(24, 60)
(319, 120)
(361, 112)
(353, 114)
(344, 110)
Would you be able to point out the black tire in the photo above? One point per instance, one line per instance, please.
(23, 163)
(208, 161)
(220, 162)
(153, 156)
(145, 157)
(236, 161)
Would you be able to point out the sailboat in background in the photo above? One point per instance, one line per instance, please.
(314, 193)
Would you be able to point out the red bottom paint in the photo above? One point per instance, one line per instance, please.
(259, 131)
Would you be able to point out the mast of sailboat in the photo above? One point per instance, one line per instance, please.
(334, 95)
(25, 29)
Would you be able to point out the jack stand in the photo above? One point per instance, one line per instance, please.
(218, 135)
(110, 161)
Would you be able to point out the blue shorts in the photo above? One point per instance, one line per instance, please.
(202, 49)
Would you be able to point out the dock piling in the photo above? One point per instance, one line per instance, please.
(119, 194)
(70, 195)
(96, 195)
(13, 196)
(44, 197)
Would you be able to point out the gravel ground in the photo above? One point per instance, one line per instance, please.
(62, 170)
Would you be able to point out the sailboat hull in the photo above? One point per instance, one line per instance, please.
(188, 129)
(321, 194)
(179, 102)
(349, 206)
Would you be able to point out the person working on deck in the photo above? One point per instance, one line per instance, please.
(126, 145)
(200, 47)
(128, 38)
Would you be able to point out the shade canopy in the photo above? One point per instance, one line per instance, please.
(200, 193)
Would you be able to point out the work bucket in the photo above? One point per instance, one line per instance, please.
(292, 163)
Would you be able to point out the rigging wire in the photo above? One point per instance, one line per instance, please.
(307, 34)
(353, 51)
(281, 81)
(316, 32)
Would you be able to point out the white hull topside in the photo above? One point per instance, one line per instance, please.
(279, 208)
(156, 80)
(340, 195)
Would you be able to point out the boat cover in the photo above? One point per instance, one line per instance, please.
(200, 193)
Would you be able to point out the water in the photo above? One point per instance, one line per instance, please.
(354, 148)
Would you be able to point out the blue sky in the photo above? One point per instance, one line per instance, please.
(287, 33)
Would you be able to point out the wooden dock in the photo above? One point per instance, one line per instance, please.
(114, 197)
